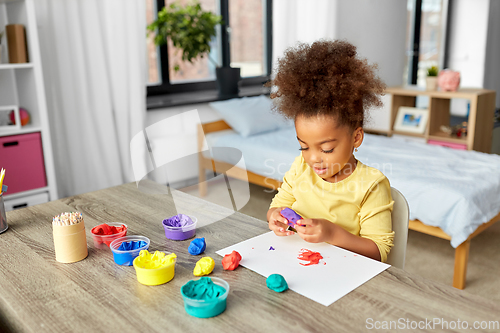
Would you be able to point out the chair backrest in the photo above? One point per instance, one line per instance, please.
(400, 220)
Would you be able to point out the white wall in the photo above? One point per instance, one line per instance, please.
(467, 44)
(492, 61)
(378, 29)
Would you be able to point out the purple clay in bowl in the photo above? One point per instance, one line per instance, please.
(180, 227)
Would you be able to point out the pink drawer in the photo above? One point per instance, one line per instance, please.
(22, 158)
(448, 144)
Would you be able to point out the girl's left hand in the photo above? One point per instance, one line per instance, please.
(316, 230)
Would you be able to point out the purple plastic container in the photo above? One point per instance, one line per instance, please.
(180, 233)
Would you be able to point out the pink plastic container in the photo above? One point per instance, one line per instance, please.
(103, 241)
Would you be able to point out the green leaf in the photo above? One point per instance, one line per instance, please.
(190, 29)
(432, 71)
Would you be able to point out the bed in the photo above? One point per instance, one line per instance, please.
(447, 191)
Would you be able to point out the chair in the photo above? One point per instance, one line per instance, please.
(400, 219)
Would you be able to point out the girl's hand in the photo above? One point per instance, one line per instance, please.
(316, 230)
(278, 223)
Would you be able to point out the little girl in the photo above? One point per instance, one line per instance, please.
(325, 88)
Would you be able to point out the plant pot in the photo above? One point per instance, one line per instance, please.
(227, 80)
(431, 83)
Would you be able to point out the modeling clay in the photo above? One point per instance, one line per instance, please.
(290, 216)
(231, 261)
(203, 289)
(277, 283)
(179, 220)
(133, 245)
(308, 255)
(104, 229)
(197, 246)
(154, 260)
(204, 266)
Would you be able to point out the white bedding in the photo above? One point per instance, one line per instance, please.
(452, 189)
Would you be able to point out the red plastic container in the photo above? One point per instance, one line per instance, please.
(103, 241)
(22, 158)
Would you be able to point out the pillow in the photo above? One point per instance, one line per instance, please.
(250, 115)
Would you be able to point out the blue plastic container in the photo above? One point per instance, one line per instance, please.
(127, 257)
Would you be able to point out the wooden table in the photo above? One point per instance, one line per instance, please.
(39, 294)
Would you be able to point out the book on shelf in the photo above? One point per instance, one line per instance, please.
(16, 43)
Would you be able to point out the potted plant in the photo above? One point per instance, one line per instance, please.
(431, 79)
(191, 30)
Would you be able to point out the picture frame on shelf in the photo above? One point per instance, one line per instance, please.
(411, 120)
(5, 122)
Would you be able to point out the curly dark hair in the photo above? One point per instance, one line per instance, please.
(325, 78)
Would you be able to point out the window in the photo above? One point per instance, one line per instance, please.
(244, 43)
(426, 38)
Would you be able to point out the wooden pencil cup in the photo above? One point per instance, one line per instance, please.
(70, 243)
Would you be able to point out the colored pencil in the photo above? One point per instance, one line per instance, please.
(2, 174)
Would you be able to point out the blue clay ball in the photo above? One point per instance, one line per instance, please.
(277, 283)
(197, 246)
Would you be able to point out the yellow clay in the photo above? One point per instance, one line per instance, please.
(204, 266)
(154, 260)
(154, 268)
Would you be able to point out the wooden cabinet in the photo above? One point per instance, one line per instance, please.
(26, 152)
(480, 122)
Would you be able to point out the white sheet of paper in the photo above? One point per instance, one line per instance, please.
(339, 272)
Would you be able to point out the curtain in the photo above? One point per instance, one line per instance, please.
(302, 21)
(94, 65)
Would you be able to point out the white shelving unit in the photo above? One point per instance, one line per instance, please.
(22, 85)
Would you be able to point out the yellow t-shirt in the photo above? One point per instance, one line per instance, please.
(360, 203)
